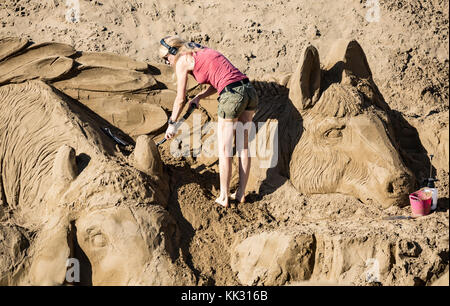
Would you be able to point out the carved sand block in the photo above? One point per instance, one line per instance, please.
(361, 253)
(33, 53)
(105, 59)
(46, 69)
(161, 97)
(271, 258)
(166, 75)
(146, 156)
(115, 88)
(102, 89)
(107, 79)
(130, 116)
(68, 183)
(11, 45)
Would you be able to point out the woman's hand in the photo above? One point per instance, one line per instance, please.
(171, 131)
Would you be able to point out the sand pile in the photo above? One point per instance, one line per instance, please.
(294, 228)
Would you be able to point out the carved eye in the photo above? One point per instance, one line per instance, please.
(334, 132)
(96, 238)
(99, 240)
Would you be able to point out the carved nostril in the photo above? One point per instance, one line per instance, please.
(390, 187)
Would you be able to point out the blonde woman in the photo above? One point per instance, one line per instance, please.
(237, 102)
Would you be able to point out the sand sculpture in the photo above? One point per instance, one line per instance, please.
(338, 106)
(69, 191)
(346, 145)
(68, 186)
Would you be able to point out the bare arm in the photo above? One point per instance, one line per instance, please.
(181, 71)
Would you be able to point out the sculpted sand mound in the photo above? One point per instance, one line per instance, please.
(71, 191)
(87, 77)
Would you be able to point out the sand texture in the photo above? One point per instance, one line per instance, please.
(350, 108)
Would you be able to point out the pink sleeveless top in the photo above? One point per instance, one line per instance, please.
(212, 67)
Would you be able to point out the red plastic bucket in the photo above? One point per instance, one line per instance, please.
(420, 202)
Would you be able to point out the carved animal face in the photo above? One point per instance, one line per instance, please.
(346, 145)
(108, 246)
(127, 247)
(99, 223)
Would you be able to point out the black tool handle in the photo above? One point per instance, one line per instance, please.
(191, 108)
(161, 142)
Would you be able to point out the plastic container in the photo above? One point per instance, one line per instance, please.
(420, 202)
(434, 193)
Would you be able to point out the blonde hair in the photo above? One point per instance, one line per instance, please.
(183, 46)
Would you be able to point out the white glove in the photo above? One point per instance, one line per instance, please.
(171, 131)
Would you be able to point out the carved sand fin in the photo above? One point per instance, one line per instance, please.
(106, 59)
(11, 45)
(133, 117)
(146, 156)
(34, 53)
(47, 68)
(352, 56)
(107, 79)
(64, 166)
(304, 87)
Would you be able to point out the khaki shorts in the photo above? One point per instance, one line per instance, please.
(239, 99)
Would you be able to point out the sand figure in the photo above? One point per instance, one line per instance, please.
(335, 134)
(66, 184)
(237, 102)
(106, 83)
(347, 143)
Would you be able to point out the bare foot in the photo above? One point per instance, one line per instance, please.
(240, 198)
(222, 201)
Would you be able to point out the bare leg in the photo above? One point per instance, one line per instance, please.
(244, 158)
(225, 140)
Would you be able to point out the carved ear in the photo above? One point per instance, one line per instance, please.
(146, 156)
(304, 86)
(65, 167)
(51, 250)
(352, 56)
(53, 244)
